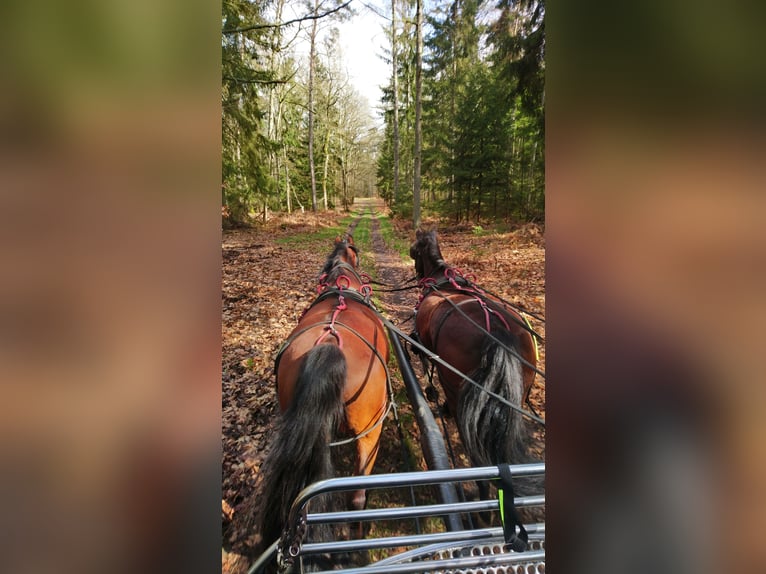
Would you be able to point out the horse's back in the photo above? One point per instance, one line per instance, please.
(363, 341)
(454, 326)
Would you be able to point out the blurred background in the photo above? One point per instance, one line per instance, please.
(110, 294)
(110, 290)
(655, 283)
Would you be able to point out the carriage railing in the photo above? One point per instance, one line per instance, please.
(473, 549)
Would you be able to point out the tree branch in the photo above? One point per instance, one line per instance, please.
(254, 80)
(289, 22)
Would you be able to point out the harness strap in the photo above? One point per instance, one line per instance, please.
(341, 265)
(360, 297)
(388, 386)
(508, 513)
(455, 279)
(456, 307)
(330, 329)
(488, 310)
(534, 339)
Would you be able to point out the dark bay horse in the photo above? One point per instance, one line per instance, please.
(485, 339)
(333, 387)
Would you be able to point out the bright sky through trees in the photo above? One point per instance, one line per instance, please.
(362, 41)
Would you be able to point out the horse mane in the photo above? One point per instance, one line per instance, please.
(428, 247)
(335, 257)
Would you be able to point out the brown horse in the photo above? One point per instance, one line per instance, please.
(482, 337)
(333, 387)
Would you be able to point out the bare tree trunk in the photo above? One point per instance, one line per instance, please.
(274, 104)
(453, 127)
(511, 170)
(522, 175)
(396, 102)
(278, 132)
(326, 166)
(344, 176)
(531, 190)
(418, 109)
(312, 58)
(287, 183)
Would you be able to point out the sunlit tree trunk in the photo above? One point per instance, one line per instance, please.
(395, 72)
(312, 66)
(326, 166)
(418, 110)
(287, 182)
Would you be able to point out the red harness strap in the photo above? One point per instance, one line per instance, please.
(330, 329)
(450, 273)
(487, 311)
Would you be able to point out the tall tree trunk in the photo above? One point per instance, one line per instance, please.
(522, 175)
(344, 185)
(480, 184)
(287, 182)
(453, 123)
(312, 58)
(396, 101)
(511, 170)
(532, 186)
(326, 166)
(418, 109)
(278, 131)
(274, 102)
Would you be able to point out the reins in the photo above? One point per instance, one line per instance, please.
(393, 288)
(436, 358)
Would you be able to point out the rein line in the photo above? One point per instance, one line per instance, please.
(394, 288)
(436, 358)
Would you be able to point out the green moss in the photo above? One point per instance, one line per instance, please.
(393, 241)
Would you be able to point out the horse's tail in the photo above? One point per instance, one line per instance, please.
(300, 449)
(492, 432)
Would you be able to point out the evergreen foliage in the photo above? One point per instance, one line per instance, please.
(483, 94)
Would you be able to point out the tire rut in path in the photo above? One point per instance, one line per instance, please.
(399, 306)
(352, 226)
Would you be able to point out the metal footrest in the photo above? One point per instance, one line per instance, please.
(469, 550)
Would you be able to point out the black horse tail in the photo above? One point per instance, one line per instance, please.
(300, 449)
(492, 432)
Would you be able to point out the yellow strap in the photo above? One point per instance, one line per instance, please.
(534, 339)
(500, 493)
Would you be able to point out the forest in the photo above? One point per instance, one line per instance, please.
(457, 133)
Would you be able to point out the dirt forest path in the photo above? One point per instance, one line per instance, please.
(269, 275)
